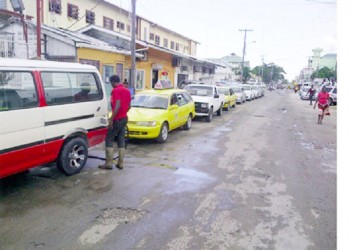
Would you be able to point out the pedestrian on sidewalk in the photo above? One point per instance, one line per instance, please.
(125, 83)
(120, 104)
(323, 106)
(311, 92)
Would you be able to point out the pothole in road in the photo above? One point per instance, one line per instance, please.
(259, 116)
(119, 215)
(109, 221)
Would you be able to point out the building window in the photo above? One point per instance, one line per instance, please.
(119, 70)
(177, 47)
(157, 40)
(140, 82)
(152, 36)
(172, 45)
(181, 47)
(90, 17)
(108, 23)
(55, 6)
(165, 42)
(186, 49)
(90, 62)
(128, 27)
(120, 25)
(107, 71)
(72, 11)
(127, 74)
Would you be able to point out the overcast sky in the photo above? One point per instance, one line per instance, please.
(284, 31)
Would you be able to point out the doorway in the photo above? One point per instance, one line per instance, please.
(154, 77)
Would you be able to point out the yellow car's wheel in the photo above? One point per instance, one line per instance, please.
(163, 135)
(188, 123)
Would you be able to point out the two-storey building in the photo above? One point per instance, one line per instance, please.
(161, 52)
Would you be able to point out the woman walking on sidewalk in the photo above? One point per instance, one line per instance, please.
(323, 106)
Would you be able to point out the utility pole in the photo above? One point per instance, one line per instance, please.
(133, 67)
(244, 50)
(39, 11)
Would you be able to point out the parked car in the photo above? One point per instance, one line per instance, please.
(261, 88)
(332, 95)
(249, 95)
(230, 97)
(280, 86)
(257, 91)
(207, 100)
(186, 82)
(271, 87)
(49, 112)
(240, 95)
(154, 113)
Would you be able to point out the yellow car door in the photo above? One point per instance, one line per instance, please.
(183, 109)
(232, 97)
(174, 116)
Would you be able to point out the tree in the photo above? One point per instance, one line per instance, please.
(246, 75)
(270, 73)
(324, 72)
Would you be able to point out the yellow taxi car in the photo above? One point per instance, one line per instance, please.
(154, 113)
(230, 97)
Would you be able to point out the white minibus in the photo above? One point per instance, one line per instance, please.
(49, 112)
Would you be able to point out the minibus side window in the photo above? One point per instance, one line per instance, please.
(71, 87)
(17, 91)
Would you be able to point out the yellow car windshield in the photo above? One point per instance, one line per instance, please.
(150, 101)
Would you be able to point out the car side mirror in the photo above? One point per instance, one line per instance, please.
(174, 106)
(216, 96)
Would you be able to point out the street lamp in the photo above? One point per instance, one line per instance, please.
(17, 5)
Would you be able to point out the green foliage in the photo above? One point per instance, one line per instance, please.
(269, 73)
(246, 75)
(324, 72)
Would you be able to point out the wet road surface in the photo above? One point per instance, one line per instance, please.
(261, 176)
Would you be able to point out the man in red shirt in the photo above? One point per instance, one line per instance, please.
(120, 104)
(323, 105)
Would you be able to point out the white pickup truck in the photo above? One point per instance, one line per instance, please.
(207, 100)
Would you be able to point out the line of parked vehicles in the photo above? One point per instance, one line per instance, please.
(154, 113)
(55, 111)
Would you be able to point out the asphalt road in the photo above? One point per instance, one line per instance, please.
(261, 176)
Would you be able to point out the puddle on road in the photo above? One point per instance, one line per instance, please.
(192, 173)
(164, 166)
(190, 180)
(309, 146)
(223, 129)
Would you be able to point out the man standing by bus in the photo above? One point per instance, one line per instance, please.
(120, 104)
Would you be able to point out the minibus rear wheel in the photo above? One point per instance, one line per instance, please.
(73, 156)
